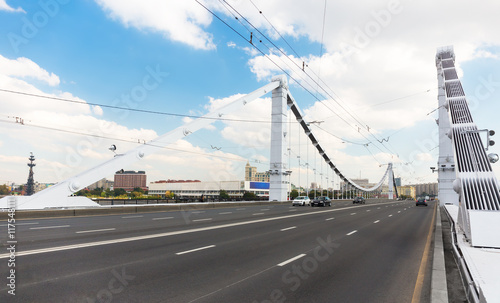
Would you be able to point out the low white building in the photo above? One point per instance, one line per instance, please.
(209, 190)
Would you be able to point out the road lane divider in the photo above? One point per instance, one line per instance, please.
(291, 260)
(163, 218)
(375, 222)
(49, 227)
(131, 217)
(199, 220)
(419, 284)
(17, 224)
(288, 228)
(167, 234)
(193, 250)
(94, 230)
(352, 232)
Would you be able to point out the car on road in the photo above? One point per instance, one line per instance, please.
(359, 200)
(421, 201)
(301, 201)
(321, 201)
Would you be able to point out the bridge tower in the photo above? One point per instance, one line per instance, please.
(278, 170)
(390, 181)
(445, 64)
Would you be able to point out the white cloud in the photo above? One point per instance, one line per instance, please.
(5, 7)
(25, 68)
(97, 110)
(178, 20)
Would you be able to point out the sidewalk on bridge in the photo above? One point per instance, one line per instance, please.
(483, 264)
(439, 287)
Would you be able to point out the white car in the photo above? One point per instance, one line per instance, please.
(301, 200)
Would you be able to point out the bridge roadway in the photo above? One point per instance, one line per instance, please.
(275, 253)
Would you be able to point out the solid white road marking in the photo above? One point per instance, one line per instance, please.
(192, 250)
(94, 231)
(352, 232)
(288, 228)
(291, 260)
(130, 217)
(163, 218)
(167, 234)
(47, 227)
(17, 224)
(198, 220)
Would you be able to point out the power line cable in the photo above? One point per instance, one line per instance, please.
(123, 140)
(317, 75)
(134, 109)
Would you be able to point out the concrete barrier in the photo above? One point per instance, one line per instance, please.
(139, 208)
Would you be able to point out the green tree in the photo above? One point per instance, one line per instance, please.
(83, 192)
(135, 194)
(96, 192)
(294, 194)
(248, 196)
(223, 195)
(118, 192)
(4, 190)
(139, 190)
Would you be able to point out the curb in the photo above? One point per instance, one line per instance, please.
(439, 287)
(101, 211)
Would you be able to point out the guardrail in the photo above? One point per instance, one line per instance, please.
(130, 208)
(470, 287)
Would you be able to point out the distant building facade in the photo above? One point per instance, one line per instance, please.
(103, 183)
(407, 190)
(430, 189)
(251, 174)
(210, 190)
(129, 179)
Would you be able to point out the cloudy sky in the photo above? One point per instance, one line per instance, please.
(368, 73)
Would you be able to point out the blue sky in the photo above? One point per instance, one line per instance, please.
(377, 56)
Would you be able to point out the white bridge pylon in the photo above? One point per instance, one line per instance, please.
(278, 169)
(59, 195)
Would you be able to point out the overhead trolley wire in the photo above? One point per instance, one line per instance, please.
(317, 75)
(315, 82)
(134, 109)
(124, 140)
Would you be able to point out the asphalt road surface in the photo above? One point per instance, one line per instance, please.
(343, 253)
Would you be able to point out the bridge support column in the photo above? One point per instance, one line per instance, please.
(278, 169)
(446, 161)
(390, 180)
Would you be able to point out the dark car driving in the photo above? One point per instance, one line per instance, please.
(321, 201)
(359, 200)
(421, 201)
